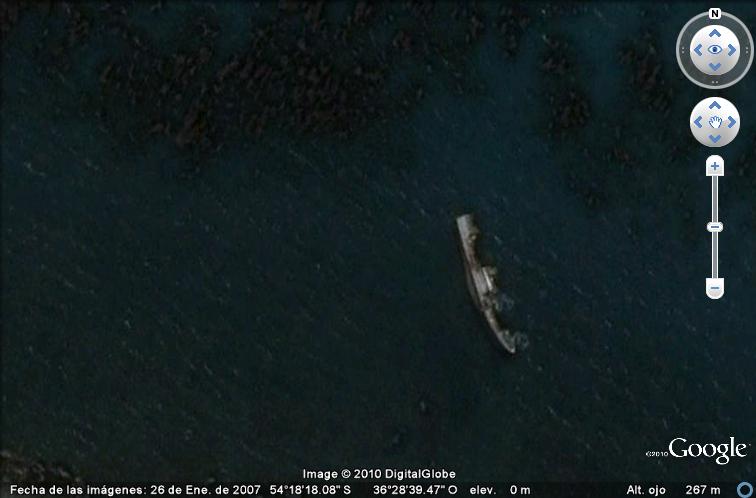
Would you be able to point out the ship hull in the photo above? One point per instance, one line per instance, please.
(480, 286)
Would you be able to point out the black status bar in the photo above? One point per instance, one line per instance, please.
(740, 489)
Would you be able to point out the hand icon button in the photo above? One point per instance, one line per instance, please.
(715, 122)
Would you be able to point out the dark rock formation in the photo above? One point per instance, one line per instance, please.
(16, 469)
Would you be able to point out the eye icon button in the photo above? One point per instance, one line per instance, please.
(714, 49)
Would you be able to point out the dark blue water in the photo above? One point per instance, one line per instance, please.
(299, 301)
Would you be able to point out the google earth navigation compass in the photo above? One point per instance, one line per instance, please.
(715, 50)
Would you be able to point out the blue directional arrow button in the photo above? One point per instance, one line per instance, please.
(708, 52)
(714, 121)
